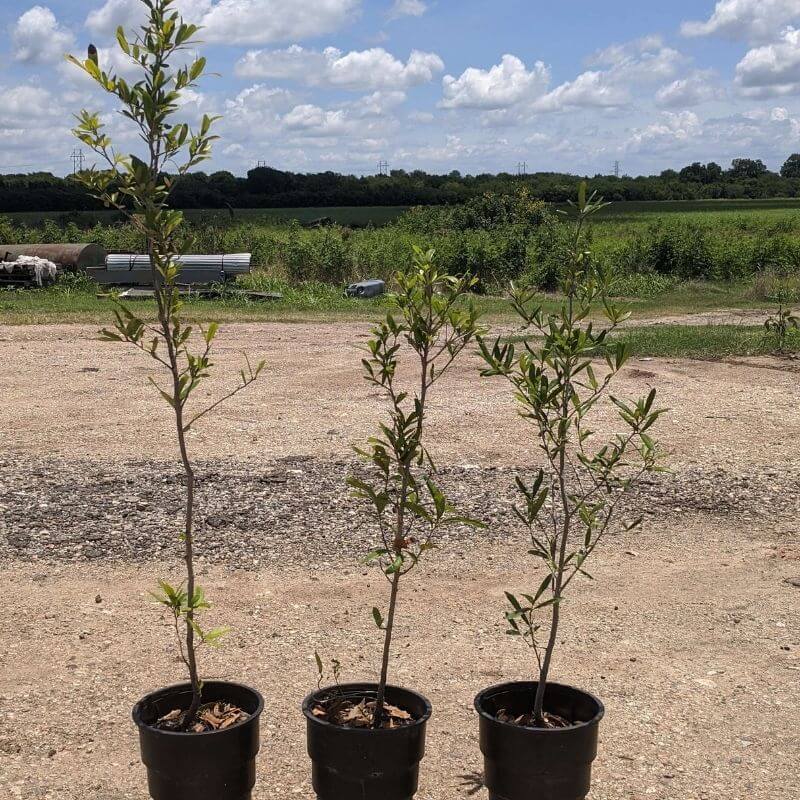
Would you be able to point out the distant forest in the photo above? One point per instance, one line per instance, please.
(265, 187)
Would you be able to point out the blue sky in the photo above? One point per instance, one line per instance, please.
(472, 85)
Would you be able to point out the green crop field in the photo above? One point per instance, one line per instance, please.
(708, 211)
(343, 215)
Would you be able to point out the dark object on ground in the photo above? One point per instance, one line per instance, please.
(793, 582)
(366, 289)
(216, 765)
(546, 763)
(320, 222)
(366, 763)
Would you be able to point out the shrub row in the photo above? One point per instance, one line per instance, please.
(487, 238)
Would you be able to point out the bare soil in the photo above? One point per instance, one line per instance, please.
(690, 632)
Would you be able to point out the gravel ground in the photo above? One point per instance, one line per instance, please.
(689, 633)
(254, 515)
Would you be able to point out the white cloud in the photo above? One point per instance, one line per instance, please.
(378, 104)
(697, 88)
(751, 20)
(105, 20)
(258, 106)
(671, 132)
(407, 8)
(509, 92)
(23, 103)
(238, 21)
(771, 70)
(38, 38)
(501, 86)
(357, 70)
(627, 66)
(263, 21)
(588, 89)
(639, 61)
(308, 118)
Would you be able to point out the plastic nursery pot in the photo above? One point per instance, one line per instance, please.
(217, 765)
(362, 763)
(538, 764)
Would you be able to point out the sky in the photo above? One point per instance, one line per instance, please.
(439, 85)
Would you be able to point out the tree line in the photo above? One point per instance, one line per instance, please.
(266, 187)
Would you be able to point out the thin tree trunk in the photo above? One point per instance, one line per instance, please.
(544, 671)
(538, 705)
(387, 644)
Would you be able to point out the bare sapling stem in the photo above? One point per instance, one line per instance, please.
(387, 646)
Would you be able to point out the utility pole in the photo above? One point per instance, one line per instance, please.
(383, 167)
(616, 169)
(77, 161)
(522, 167)
(261, 164)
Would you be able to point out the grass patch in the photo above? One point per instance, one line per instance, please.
(704, 341)
(75, 300)
(708, 342)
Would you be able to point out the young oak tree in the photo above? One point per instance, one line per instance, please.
(570, 505)
(436, 323)
(139, 188)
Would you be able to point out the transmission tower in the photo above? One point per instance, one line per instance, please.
(616, 169)
(383, 167)
(77, 161)
(522, 168)
(261, 164)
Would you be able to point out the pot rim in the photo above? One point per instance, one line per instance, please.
(309, 699)
(496, 688)
(136, 712)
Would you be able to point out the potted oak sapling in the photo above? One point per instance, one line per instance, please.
(198, 739)
(539, 737)
(366, 739)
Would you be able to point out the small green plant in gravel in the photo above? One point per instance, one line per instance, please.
(139, 188)
(781, 323)
(435, 323)
(569, 506)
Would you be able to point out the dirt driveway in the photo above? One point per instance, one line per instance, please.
(67, 393)
(690, 632)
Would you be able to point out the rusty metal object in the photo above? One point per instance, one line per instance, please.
(76, 257)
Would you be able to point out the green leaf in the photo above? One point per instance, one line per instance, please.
(378, 617)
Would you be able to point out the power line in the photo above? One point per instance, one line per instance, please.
(77, 161)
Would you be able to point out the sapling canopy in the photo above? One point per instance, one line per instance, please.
(558, 375)
(434, 322)
(137, 186)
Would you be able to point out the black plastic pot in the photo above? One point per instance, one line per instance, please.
(366, 764)
(218, 765)
(538, 764)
